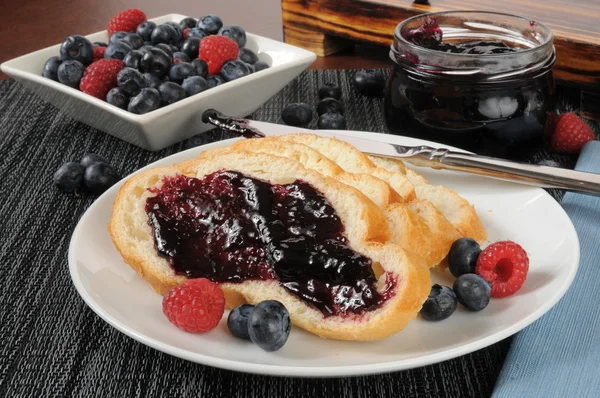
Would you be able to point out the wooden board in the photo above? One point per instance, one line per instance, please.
(326, 26)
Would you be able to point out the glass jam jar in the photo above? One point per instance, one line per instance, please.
(480, 81)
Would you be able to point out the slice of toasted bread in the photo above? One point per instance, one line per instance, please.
(365, 227)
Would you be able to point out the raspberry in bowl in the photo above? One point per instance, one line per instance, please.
(480, 81)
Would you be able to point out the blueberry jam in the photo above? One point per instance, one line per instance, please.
(228, 227)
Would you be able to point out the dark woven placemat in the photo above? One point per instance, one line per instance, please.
(53, 345)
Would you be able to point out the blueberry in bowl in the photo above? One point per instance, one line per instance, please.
(147, 100)
(77, 48)
(211, 24)
(234, 32)
(235, 69)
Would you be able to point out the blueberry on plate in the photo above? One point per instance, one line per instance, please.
(117, 36)
(180, 56)
(147, 100)
(234, 69)
(297, 114)
(133, 58)
(331, 121)
(91, 158)
(235, 33)
(130, 81)
(166, 48)
(260, 65)
(201, 67)
(155, 62)
(78, 48)
(463, 256)
(549, 163)
(187, 23)
(99, 177)
(181, 71)
(194, 85)
(196, 32)
(51, 68)
(117, 50)
(191, 46)
(178, 30)
(69, 177)
(369, 82)
(472, 291)
(170, 93)
(134, 40)
(440, 304)
(214, 81)
(164, 34)
(330, 90)
(237, 321)
(117, 97)
(269, 325)
(145, 30)
(330, 105)
(70, 73)
(248, 56)
(210, 24)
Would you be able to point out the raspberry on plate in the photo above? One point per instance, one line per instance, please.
(126, 21)
(196, 306)
(570, 134)
(505, 265)
(216, 50)
(100, 77)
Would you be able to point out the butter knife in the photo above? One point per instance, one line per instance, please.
(441, 158)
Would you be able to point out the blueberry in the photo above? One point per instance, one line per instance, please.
(147, 100)
(181, 71)
(472, 291)
(214, 81)
(234, 69)
(117, 36)
(151, 81)
(170, 93)
(248, 56)
(331, 121)
(193, 142)
(91, 158)
(145, 48)
(549, 163)
(210, 24)
(201, 67)
(133, 58)
(250, 67)
(330, 90)
(191, 46)
(235, 33)
(166, 48)
(194, 85)
(180, 57)
(70, 73)
(99, 44)
(330, 105)
(51, 68)
(237, 321)
(117, 50)
(69, 177)
(164, 34)
(269, 325)
(117, 97)
(145, 30)
(463, 256)
(187, 23)
(440, 304)
(178, 30)
(260, 65)
(297, 114)
(134, 40)
(99, 177)
(77, 48)
(369, 82)
(197, 32)
(130, 81)
(156, 62)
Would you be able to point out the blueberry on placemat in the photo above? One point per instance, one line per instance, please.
(298, 114)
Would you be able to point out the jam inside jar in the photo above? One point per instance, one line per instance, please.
(475, 80)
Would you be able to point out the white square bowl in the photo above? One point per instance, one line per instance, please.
(171, 124)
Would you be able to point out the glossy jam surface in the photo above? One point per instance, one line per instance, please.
(229, 228)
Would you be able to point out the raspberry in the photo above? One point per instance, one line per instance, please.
(216, 50)
(185, 32)
(196, 306)
(505, 265)
(570, 134)
(126, 21)
(99, 53)
(100, 77)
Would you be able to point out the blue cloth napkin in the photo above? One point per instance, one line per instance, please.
(559, 355)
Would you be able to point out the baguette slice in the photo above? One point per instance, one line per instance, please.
(365, 227)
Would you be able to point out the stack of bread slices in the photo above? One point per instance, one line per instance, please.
(390, 213)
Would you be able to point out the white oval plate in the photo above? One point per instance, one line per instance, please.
(526, 215)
